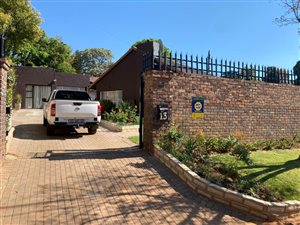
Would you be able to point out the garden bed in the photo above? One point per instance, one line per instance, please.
(115, 127)
(121, 118)
(234, 168)
(278, 170)
(254, 206)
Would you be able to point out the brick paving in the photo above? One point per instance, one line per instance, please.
(76, 178)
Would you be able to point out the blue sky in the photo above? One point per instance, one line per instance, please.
(231, 29)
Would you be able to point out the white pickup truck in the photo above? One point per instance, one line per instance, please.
(66, 108)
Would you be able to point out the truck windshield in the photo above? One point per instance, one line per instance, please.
(72, 95)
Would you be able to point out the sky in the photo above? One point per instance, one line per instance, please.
(241, 30)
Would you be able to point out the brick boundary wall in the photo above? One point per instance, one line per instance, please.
(254, 206)
(4, 67)
(258, 110)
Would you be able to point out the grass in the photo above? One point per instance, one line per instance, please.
(134, 139)
(277, 169)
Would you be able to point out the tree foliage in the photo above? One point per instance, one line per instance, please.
(50, 52)
(5, 20)
(10, 95)
(93, 61)
(20, 23)
(11, 80)
(292, 14)
(165, 49)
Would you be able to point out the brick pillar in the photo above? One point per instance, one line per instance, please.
(4, 67)
(156, 91)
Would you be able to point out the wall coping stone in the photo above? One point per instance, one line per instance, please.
(249, 204)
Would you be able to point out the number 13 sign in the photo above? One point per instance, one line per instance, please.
(163, 112)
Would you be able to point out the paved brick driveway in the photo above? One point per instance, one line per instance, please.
(95, 179)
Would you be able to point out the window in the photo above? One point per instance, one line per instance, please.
(72, 95)
(70, 88)
(115, 96)
(34, 95)
(28, 97)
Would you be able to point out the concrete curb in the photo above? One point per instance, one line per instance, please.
(254, 206)
(118, 128)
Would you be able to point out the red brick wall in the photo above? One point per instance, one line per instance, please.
(3, 82)
(258, 110)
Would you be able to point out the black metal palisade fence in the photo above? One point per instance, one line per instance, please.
(218, 68)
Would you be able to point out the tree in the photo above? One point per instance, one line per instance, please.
(20, 23)
(165, 50)
(93, 61)
(5, 20)
(292, 14)
(49, 52)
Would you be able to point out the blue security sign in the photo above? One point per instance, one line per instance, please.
(197, 107)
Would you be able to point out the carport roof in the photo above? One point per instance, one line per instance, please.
(44, 75)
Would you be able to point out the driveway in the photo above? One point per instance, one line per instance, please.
(77, 178)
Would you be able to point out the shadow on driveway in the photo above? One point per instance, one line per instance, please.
(134, 182)
(38, 132)
(107, 154)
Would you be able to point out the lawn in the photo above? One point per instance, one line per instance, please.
(277, 169)
(134, 139)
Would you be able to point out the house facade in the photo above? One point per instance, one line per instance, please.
(122, 80)
(35, 83)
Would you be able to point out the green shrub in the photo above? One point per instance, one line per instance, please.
(228, 170)
(172, 140)
(253, 146)
(216, 177)
(11, 81)
(228, 144)
(296, 137)
(124, 106)
(200, 137)
(220, 145)
(137, 119)
(265, 193)
(212, 144)
(124, 114)
(242, 153)
(190, 145)
(18, 98)
(174, 134)
(284, 143)
(268, 145)
(245, 186)
(202, 170)
(107, 106)
(268, 194)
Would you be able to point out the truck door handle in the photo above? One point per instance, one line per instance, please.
(77, 103)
